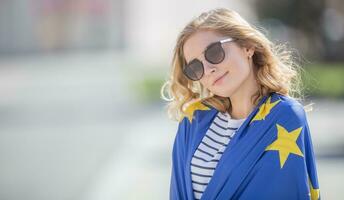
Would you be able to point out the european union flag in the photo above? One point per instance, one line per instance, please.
(270, 157)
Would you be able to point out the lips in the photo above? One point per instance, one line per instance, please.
(220, 78)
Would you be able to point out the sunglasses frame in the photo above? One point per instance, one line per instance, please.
(197, 60)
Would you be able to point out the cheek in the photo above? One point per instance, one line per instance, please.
(239, 66)
(239, 71)
(242, 69)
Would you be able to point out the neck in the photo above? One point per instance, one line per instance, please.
(241, 100)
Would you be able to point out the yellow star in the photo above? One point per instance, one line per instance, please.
(285, 143)
(264, 110)
(314, 193)
(192, 107)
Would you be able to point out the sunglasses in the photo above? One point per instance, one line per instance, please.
(214, 54)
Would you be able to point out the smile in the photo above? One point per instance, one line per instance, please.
(219, 79)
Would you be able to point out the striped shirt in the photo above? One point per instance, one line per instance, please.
(210, 150)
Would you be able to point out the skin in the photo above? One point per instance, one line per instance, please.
(239, 84)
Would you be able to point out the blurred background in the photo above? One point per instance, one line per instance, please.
(81, 116)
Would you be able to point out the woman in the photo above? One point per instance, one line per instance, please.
(242, 133)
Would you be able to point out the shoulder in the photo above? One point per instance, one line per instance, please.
(196, 113)
(289, 108)
(195, 110)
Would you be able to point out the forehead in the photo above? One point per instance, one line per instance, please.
(196, 43)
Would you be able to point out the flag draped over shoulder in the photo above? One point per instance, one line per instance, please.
(270, 157)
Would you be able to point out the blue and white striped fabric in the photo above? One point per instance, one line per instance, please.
(210, 150)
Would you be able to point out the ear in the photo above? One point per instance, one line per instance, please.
(249, 51)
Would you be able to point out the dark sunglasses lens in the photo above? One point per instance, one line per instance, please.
(194, 70)
(215, 53)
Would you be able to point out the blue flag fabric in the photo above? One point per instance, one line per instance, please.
(270, 157)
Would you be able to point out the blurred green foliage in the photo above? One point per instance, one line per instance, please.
(322, 80)
(148, 88)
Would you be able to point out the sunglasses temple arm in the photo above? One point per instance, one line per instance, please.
(226, 40)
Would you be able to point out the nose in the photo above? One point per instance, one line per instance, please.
(208, 68)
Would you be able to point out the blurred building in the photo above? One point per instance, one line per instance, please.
(148, 28)
(48, 25)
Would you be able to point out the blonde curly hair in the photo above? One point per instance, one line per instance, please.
(276, 69)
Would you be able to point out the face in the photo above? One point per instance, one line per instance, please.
(225, 78)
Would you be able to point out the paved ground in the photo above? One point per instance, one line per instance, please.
(71, 130)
